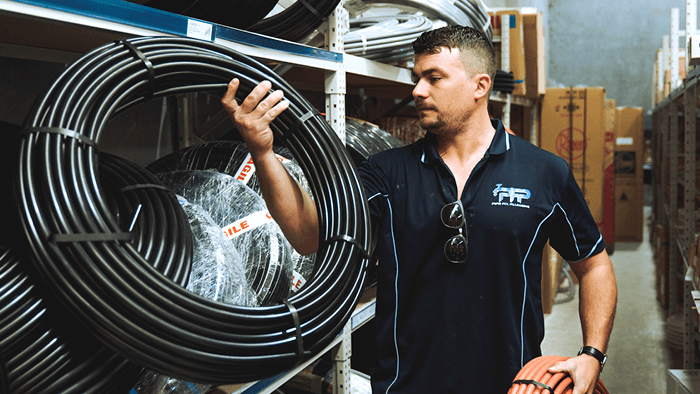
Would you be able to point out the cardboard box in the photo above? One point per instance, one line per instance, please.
(629, 174)
(662, 88)
(516, 46)
(535, 56)
(609, 180)
(573, 127)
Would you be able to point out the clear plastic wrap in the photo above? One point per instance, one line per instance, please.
(243, 217)
(233, 158)
(153, 383)
(217, 269)
(217, 274)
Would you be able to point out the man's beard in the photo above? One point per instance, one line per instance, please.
(438, 127)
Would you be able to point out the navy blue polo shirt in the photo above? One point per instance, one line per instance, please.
(468, 328)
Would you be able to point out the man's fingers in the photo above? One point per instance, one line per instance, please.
(229, 99)
(558, 367)
(252, 101)
(279, 105)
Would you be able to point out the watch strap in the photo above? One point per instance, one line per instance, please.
(595, 353)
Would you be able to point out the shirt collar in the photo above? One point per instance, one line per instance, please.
(499, 144)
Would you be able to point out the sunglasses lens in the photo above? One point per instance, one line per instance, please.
(452, 215)
(456, 249)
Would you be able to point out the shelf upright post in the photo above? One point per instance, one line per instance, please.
(690, 105)
(505, 63)
(341, 362)
(660, 74)
(675, 36)
(675, 269)
(335, 88)
(185, 123)
(691, 22)
(663, 172)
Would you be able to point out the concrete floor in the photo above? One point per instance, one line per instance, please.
(638, 356)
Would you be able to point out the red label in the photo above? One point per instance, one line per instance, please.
(563, 146)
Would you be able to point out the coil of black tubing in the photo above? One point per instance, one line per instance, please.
(140, 314)
(48, 351)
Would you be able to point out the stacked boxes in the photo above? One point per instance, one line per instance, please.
(535, 60)
(526, 49)
(661, 82)
(516, 52)
(629, 174)
(609, 181)
(573, 127)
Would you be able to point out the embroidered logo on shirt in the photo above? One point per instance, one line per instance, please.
(510, 196)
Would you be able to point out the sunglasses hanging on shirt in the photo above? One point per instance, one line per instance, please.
(456, 248)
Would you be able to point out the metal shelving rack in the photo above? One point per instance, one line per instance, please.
(675, 192)
(63, 30)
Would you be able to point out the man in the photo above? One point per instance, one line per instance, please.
(464, 214)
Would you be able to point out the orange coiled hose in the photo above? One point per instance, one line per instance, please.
(533, 378)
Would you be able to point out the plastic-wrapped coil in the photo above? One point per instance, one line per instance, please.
(218, 272)
(240, 14)
(233, 158)
(141, 314)
(478, 14)
(471, 13)
(297, 21)
(244, 219)
(47, 353)
(385, 38)
(533, 378)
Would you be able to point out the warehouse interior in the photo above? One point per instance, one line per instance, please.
(624, 72)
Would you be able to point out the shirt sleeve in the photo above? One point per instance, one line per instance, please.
(375, 184)
(573, 231)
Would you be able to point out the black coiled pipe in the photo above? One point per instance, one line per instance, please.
(240, 14)
(503, 82)
(45, 349)
(137, 312)
(296, 22)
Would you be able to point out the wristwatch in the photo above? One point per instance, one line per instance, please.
(597, 354)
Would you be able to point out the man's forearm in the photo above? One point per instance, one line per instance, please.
(289, 204)
(597, 301)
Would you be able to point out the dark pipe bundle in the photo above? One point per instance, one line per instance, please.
(298, 21)
(46, 351)
(240, 14)
(79, 246)
(503, 82)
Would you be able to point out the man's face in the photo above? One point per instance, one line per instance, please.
(444, 91)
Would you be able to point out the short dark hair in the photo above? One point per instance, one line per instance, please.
(466, 39)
